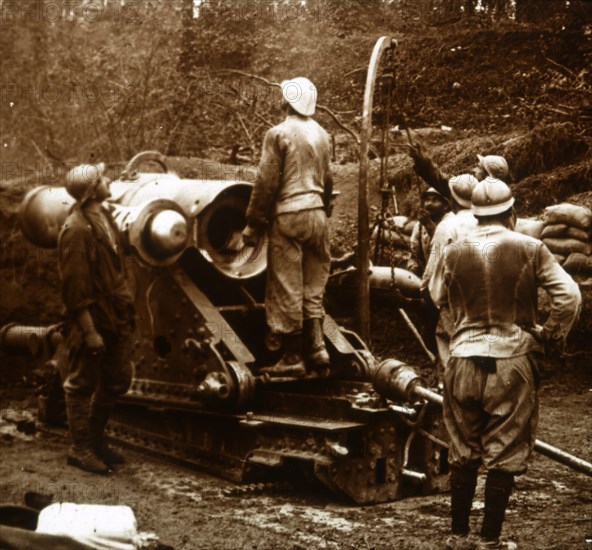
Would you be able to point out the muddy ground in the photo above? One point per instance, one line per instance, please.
(527, 98)
(551, 507)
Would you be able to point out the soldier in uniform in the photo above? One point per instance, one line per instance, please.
(452, 228)
(434, 207)
(100, 318)
(290, 200)
(490, 284)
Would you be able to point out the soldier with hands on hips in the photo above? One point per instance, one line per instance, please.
(489, 284)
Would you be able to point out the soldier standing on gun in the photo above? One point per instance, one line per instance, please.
(490, 410)
(100, 318)
(291, 201)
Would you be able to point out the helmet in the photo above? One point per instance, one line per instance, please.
(301, 94)
(82, 180)
(495, 166)
(490, 197)
(435, 193)
(461, 188)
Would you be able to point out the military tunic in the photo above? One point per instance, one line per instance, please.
(489, 284)
(93, 276)
(290, 198)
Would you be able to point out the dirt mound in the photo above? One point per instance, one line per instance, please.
(549, 164)
(473, 76)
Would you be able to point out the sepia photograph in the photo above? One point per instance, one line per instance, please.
(295, 274)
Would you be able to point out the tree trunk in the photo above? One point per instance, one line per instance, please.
(469, 6)
(535, 11)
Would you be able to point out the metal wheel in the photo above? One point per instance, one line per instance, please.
(376, 117)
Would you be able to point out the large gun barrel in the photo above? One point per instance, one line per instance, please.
(161, 215)
(395, 380)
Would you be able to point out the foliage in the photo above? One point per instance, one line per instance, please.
(150, 74)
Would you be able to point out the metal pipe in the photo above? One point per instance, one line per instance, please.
(562, 457)
(32, 341)
(415, 476)
(428, 395)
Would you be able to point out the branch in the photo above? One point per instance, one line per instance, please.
(563, 67)
(339, 123)
(180, 115)
(262, 118)
(249, 75)
(354, 71)
(39, 151)
(319, 107)
(240, 119)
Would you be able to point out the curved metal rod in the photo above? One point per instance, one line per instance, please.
(363, 294)
(131, 168)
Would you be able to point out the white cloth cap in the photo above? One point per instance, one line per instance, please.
(301, 94)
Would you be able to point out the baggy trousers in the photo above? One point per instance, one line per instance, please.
(491, 414)
(102, 377)
(299, 261)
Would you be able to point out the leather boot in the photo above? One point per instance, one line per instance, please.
(498, 488)
(317, 356)
(99, 416)
(291, 363)
(463, 481)
(81, 453)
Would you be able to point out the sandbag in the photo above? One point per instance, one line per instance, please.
(393, 238)
(578, 264)
(566, 246)
(559, 258)
(532, 228)
(399, 221)
(577, 233)
(573, 215)
(554, 230)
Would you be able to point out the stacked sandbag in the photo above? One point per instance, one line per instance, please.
(566, 233)
(530, 226)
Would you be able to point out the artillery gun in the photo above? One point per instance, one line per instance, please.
(197, 394)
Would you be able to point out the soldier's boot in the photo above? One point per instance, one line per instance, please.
(291, 363)
(81, 453)
(463, 481)
(498, 488)
(317, 357)
(99, 416)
